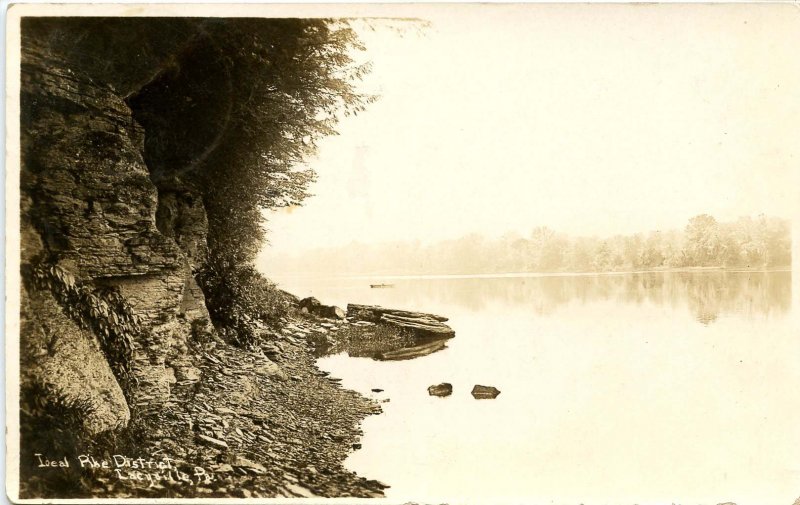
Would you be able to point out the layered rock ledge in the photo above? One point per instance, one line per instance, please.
(421, 325)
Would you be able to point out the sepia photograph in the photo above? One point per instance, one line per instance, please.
(407, 253)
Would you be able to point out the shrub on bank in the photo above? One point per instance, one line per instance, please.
(239, 299)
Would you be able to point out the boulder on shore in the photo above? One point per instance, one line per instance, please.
(485, 392)
(443, 389)
(313, 306)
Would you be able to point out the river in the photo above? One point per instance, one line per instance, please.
(634, 388)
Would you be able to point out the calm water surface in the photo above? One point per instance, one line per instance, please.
(637, 388)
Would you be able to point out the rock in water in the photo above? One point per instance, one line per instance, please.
(485, 392)
(443, 389)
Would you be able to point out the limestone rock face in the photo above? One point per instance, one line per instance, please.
(63, 359)
(88, 202)
(181, 216)
(83, 168)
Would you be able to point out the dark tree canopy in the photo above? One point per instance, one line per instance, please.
(242, 107)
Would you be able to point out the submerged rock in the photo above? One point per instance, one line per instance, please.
(443, 389)
(485, 392)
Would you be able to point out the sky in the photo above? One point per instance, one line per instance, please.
(592, 120)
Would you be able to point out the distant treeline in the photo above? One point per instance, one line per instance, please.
(745, 243)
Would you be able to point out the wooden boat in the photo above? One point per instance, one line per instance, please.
(381, 285)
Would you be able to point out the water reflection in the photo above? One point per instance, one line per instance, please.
(609, 372)
(379, 342)
(706, 294)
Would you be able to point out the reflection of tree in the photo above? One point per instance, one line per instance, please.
(706, 294)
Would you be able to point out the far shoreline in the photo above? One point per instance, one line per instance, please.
(511, 275)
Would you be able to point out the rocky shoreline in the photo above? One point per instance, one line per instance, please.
(130, 250)
(253, 423)
(257, 424)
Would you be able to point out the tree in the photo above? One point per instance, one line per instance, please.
(539, 241)
(703, 240)
(579, 256)
(633, 251)
(234, 118)
(552, 254)
(778, 240)
(730, 254)
(653, 253)
(602, 257)
(240, 112)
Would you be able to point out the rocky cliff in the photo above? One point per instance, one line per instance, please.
(90, 208)
(130, 129)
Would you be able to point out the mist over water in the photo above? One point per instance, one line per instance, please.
(629, 388)
(701, 295)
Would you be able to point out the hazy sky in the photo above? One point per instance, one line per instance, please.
(590, 120)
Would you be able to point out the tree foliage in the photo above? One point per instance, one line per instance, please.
(242, 110)
(239, 300)
(235, 118)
